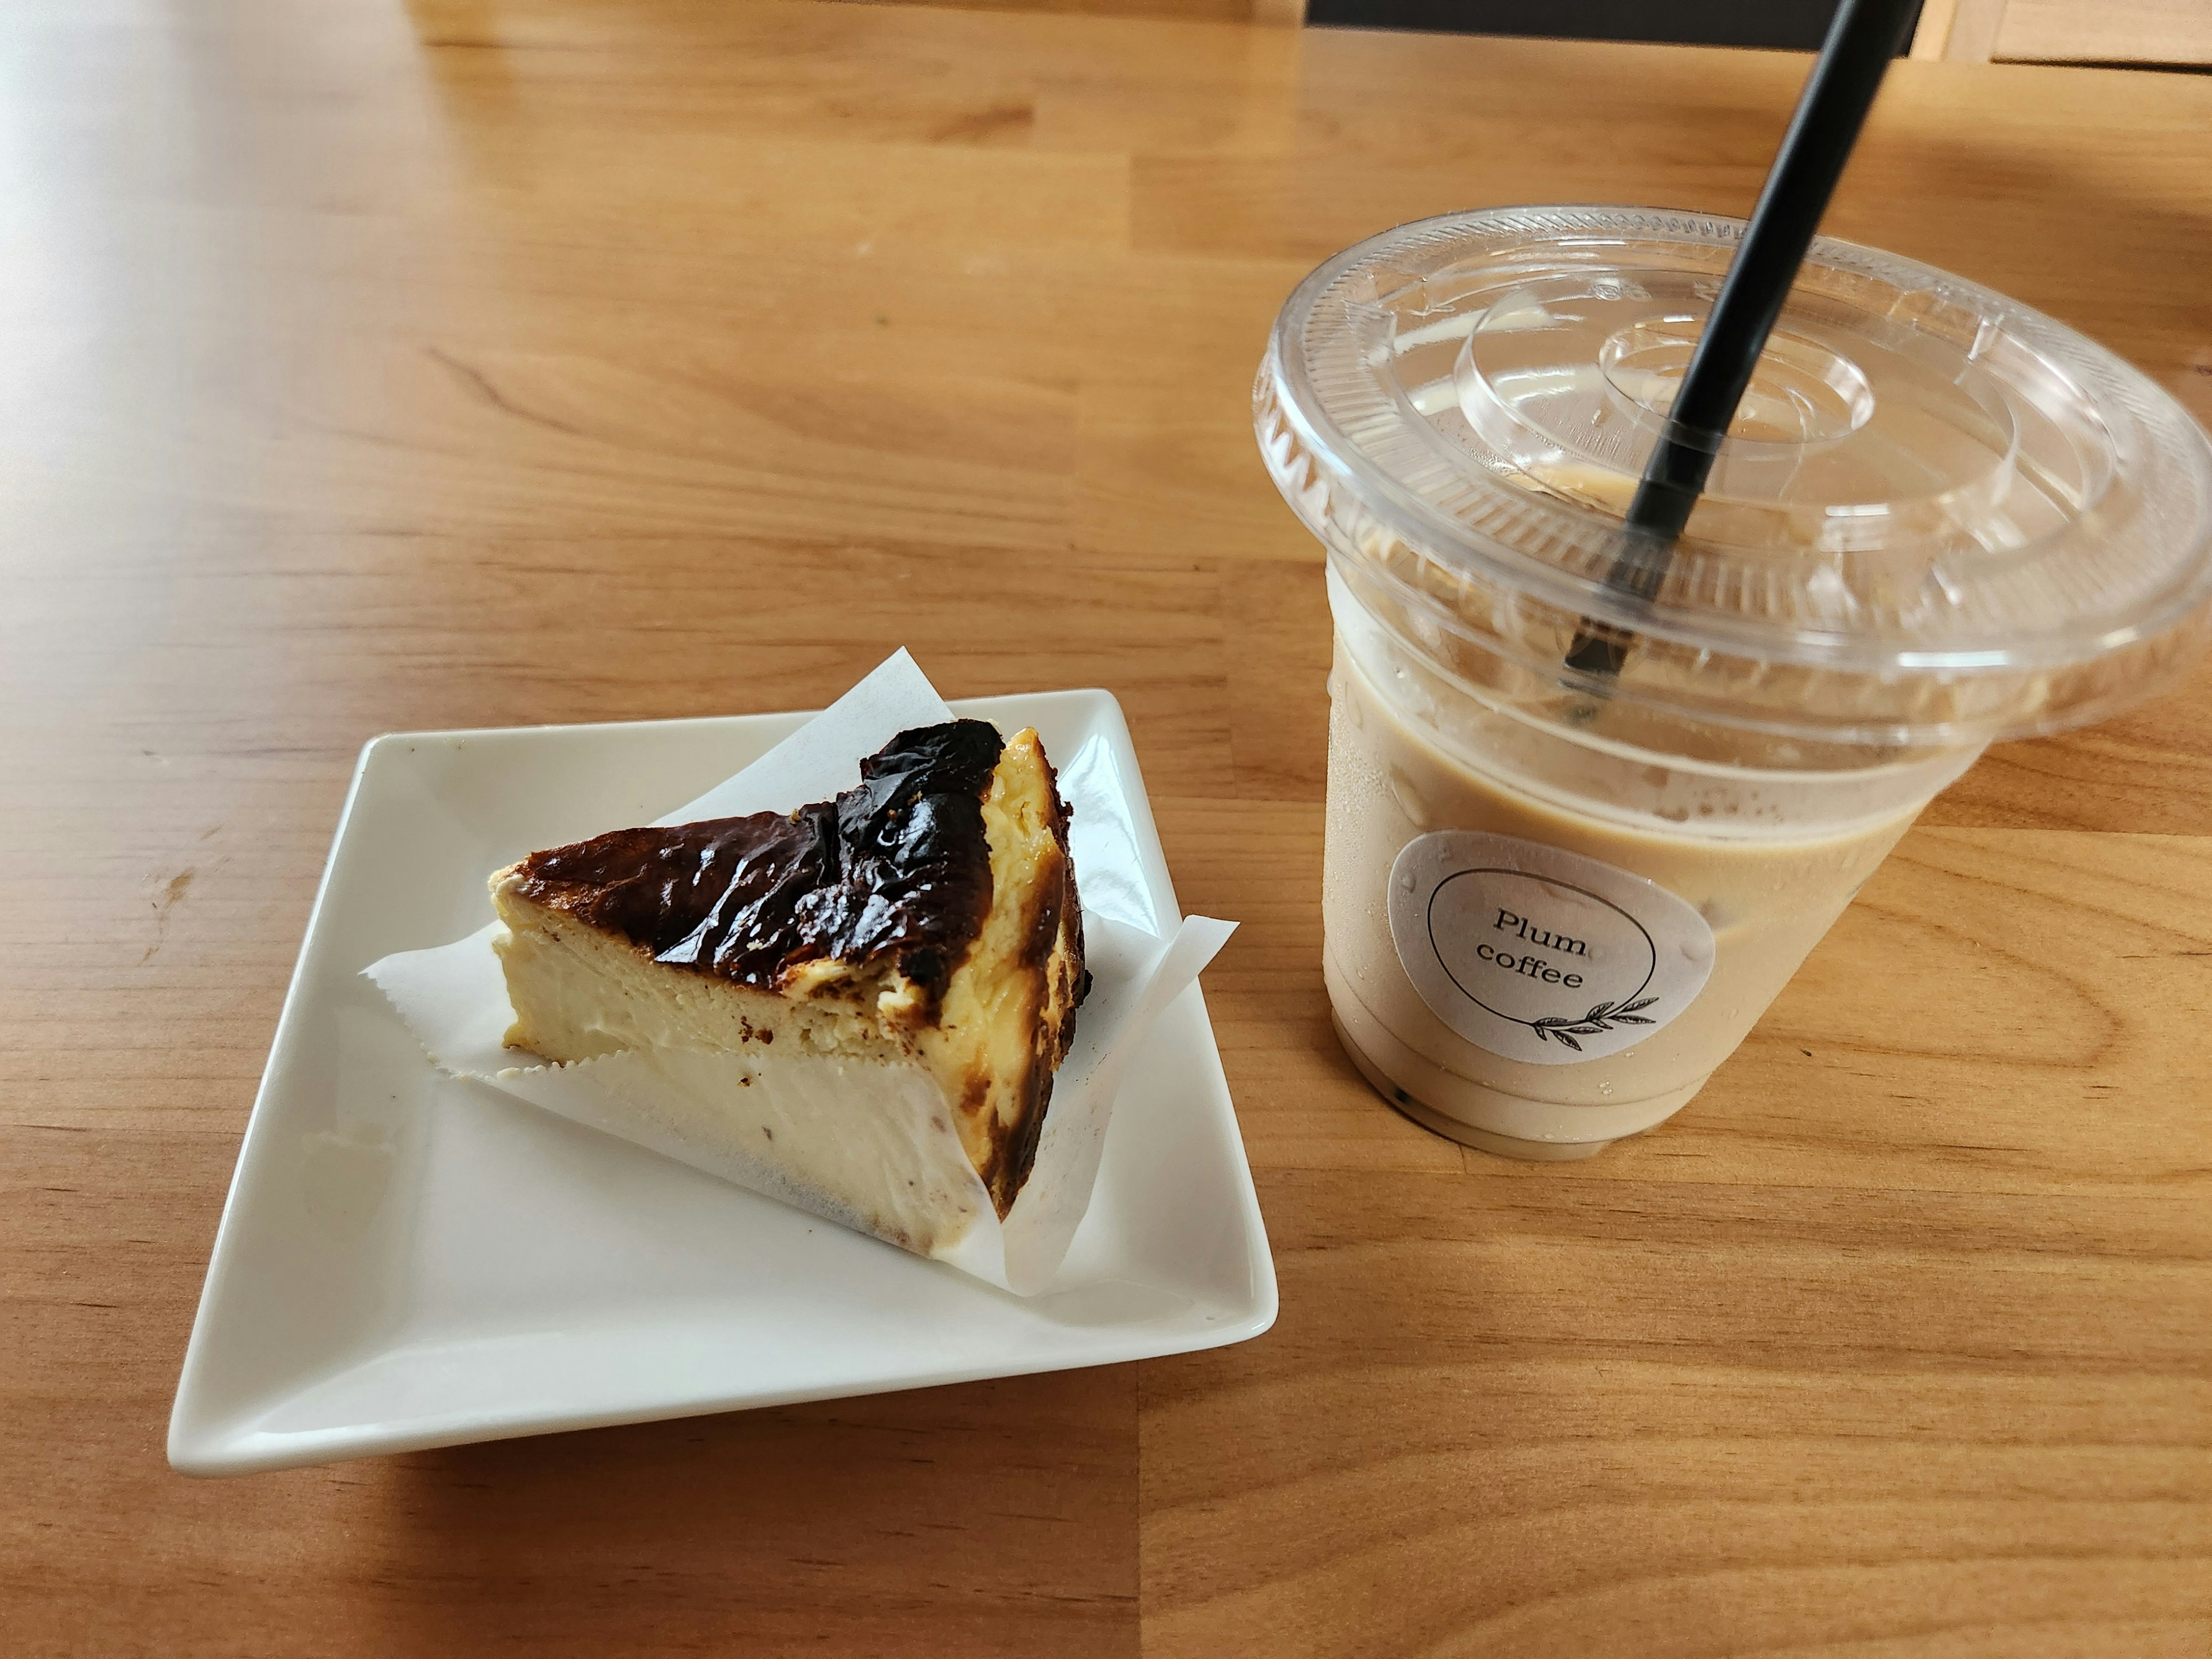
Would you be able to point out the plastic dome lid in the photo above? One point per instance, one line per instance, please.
(1939, 514)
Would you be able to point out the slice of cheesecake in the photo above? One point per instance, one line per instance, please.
(852, 1005)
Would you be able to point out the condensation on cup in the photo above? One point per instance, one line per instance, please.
(1555, 903)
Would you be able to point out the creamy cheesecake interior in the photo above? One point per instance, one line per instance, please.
(925, 921)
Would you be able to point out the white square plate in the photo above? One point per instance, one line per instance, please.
(409, 1259)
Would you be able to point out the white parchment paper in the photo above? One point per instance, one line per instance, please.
(453, 998)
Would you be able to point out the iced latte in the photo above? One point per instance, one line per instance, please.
(1555, 903)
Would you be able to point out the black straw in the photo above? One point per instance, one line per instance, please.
(1864, 39)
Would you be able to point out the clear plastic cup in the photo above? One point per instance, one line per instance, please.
(1554, 901)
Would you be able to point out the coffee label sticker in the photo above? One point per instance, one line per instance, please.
(1540, 955)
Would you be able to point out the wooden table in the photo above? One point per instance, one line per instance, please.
(451, 364)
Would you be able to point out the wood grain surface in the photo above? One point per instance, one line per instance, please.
(468, 362)
(2173, 32)
(1279, 14)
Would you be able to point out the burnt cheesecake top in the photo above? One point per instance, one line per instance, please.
(895, 872)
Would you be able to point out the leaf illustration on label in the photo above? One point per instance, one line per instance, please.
(1596, 1023)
